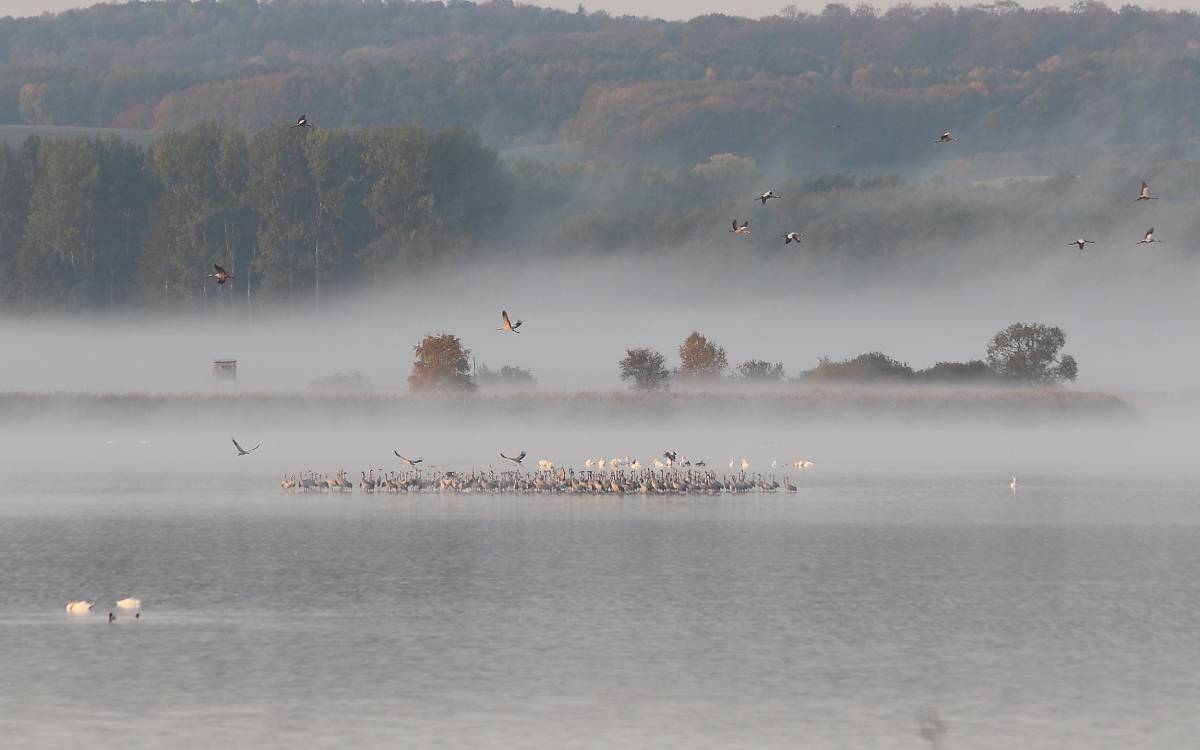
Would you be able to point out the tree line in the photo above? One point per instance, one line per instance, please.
(1021, 354)
(292, 213)
(1026, 353)
(299, 214)
(815, 86)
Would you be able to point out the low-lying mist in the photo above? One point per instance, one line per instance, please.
(1125, 309)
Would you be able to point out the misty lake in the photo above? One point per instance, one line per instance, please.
(1066, 617)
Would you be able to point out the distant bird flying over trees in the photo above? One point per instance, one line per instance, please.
(221, 275)
(242, 451)
(302, 122)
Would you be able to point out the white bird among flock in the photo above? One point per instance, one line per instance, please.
(79, 608)
(129, 602)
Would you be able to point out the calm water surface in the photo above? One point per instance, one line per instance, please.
(1068, 617)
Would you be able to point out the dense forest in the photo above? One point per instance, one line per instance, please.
(447, 133)
(296, 214)
(843, 87)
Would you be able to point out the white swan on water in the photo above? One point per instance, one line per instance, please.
(129, 603)
(79, 608)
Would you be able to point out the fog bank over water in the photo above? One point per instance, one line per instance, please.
(1125, 311)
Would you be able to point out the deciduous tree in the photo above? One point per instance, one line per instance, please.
(442, 363)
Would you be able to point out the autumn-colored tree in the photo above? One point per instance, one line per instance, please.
(441, 364)
(645, 367)
(701, 358)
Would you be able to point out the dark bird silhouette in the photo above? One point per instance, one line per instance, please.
(302, 122)
(242, 451)
(791, 237)
(1081, 242)
(743, 229)
(946, 138)
(670, 455)
(1144, 193)
(409, 461)
(515, 459)
(506, 325)
(221, 275)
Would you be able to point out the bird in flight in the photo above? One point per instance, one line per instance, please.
(767, 196)
(791, 237)
(947, 137)
(1013, 486)
(670, 456)
(517, 459)
(221, 275)
(507, 325)
(302, 122)
(743, 229)
(242, 451)
(1081, 242)
(1148, 238)
(1144, 193)
(409, 461)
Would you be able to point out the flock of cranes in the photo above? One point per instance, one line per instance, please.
(946, 137)
(616, 476)
(619, 481)
(743, 229)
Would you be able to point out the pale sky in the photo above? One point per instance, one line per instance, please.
(672, 9)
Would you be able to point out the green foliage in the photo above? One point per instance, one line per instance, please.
(646, 368)
(795, 85)
(760, 371)
(508, 377)
(869, 367)
(701, 358)
(974, 372)
(442, 364)
(1029, 353)
(290, 212)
